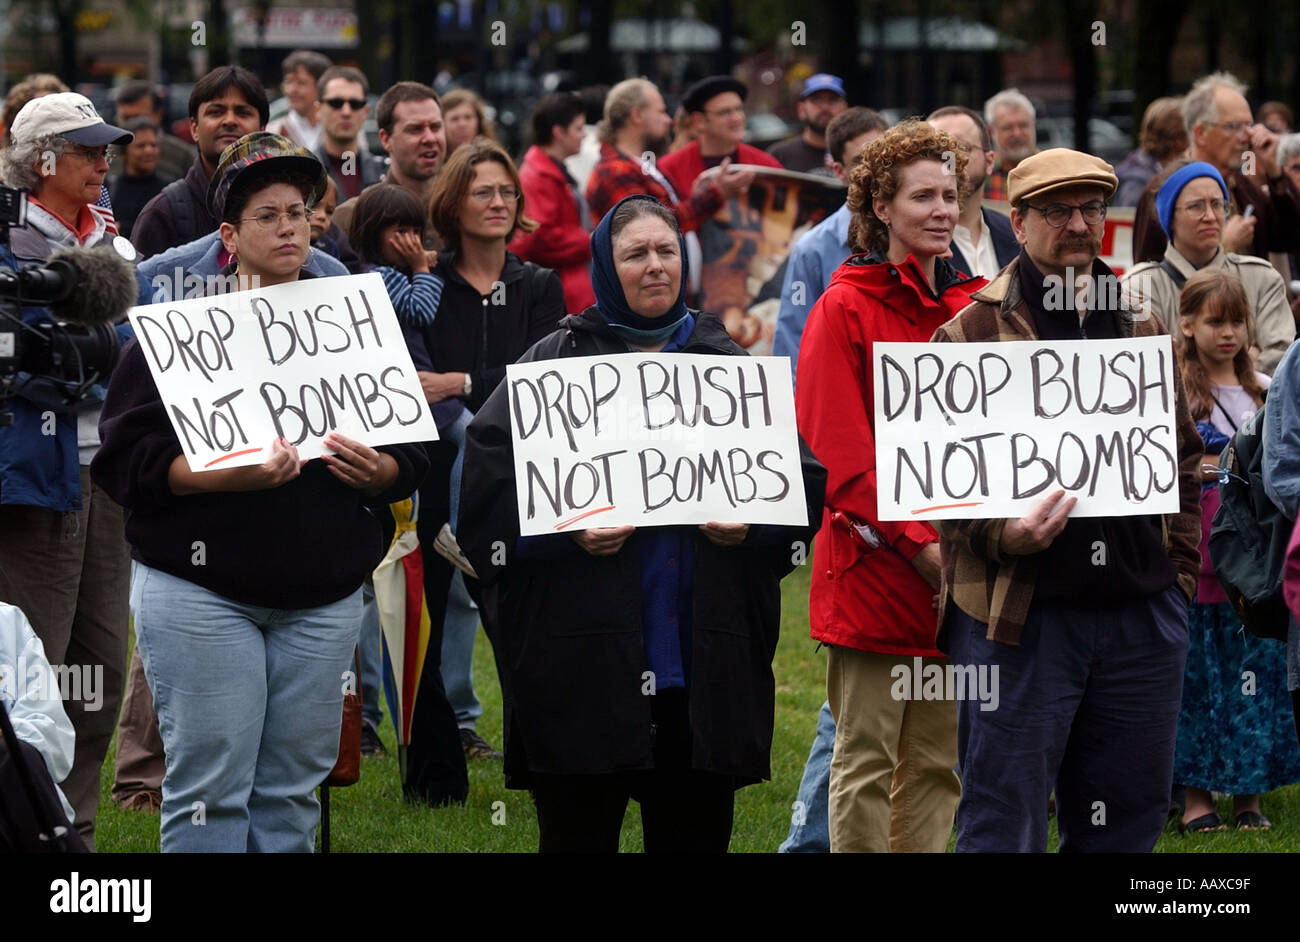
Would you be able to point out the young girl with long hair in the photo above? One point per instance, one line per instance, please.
(1235, 725)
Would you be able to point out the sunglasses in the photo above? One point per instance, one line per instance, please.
(337, 103)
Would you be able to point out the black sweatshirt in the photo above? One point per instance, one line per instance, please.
(303, 544)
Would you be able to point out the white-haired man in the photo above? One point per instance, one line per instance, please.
(1012, 119)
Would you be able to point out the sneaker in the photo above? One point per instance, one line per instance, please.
(149, 801)
(445, 545)
(371, 747)
(476, 747)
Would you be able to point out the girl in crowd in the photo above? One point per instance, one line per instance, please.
(1234, 736)
(245, 645)
(892, 785)
(465, 117)
(578, 618)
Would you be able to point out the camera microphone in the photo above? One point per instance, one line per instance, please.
(99, 285)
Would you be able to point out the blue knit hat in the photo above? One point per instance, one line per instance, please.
(1167, 195)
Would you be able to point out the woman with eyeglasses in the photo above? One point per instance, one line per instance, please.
(1192, 205)
(247, 586)
(493, 308)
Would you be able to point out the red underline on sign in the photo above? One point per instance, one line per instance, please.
(926, 510)
(599, 510)
(233, 454)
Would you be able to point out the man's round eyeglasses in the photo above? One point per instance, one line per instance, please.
(1058, 214)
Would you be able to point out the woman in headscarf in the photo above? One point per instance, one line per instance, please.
(579, 619)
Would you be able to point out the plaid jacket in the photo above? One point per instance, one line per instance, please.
(618, 176)
(998, 590)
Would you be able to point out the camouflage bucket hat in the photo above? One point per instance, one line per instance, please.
(254, 150)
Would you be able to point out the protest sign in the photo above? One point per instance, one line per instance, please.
(654, 439)
(236, 371)
(984, 430)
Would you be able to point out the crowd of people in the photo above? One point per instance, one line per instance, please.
(1120, 668)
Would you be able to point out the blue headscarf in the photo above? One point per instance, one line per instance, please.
(1167, 195)
(632, 327)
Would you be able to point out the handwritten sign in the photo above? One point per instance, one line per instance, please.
(654, 439)
(298, 361)
(984, 430)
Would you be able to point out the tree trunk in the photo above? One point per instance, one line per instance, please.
(1079, 17)
(1157, 32)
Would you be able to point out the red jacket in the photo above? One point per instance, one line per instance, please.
(868, 599)
(681, 167)
(559, 242)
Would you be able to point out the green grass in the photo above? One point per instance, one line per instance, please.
(371, 816)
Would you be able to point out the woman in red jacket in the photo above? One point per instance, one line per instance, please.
(892, 785)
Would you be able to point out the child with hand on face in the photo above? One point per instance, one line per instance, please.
(387, 232)
(1230, 739)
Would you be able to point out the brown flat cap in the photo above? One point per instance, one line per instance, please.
(1056, 168)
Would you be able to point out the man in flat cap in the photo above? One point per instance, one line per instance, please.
(1084, 620)
(717, 108)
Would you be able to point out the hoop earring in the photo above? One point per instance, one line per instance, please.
(311, 254)
(234, 264)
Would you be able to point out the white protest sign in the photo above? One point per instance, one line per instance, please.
(654, 439)
(236, 371)
(987, 430)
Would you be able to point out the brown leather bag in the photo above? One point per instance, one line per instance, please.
(347, 770)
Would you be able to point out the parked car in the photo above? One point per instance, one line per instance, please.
(763, 130)
(1107, 141)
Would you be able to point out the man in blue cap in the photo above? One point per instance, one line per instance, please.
(821, 100)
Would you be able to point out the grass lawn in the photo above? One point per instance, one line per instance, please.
(371, 816)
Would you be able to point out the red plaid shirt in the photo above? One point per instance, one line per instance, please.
(618, 176)
(995, 187)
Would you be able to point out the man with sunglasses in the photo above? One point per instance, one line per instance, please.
(1264, 205)
(343, 111)
(1083, 621)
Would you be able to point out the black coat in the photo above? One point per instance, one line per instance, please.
(474, 334)
(567, 631)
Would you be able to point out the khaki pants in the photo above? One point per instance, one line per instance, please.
(892, 784)
(70, 573)
(140, 763)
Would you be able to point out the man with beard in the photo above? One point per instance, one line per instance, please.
(1264, 215)
(821, 100)
(982, 242)
(634, 130)
(1082, 621)
(1011, 116)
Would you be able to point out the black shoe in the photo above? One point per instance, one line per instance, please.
(371, 747)
(476, 747)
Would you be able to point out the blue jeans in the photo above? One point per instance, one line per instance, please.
(249, 702)
(371, 655)
(456, 433)
(809, 826)
(459, 629)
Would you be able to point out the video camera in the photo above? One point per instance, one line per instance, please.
(86, 290)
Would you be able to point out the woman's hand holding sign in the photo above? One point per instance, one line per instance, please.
(359, 466)
(725, 534)
(280, 468)
(602, 541)
(1035, 531)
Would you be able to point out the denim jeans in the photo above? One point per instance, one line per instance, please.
(371, 655)
(249, 701)
(456, 433)
(459, 629)
(809, 827)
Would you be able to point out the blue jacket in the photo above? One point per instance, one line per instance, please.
(1281, 461)
(39, 462)
(812, 261)
(160, 274)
